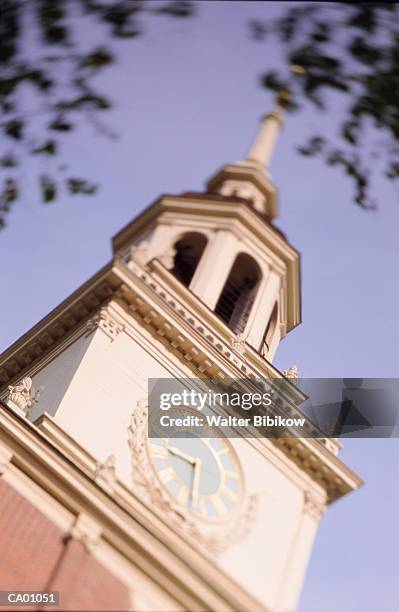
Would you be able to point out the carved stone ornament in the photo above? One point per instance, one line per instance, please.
(291, 373)
(238, 343)
(167, 259)
(139, 252)
(104, 320)
(212, 539)
(22, 397)
(105, 474)
(313, 505)
(264, 351)
(86, 531)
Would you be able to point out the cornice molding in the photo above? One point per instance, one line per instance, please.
(179, 320)
(321, 465)
(253, 173)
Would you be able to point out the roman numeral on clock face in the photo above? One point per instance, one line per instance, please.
(166, 475)
(218, 505)
(183, 495)
(158, 451)
(231, 495)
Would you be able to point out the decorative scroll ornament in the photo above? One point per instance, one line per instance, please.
(22, 397)
(213, 539)
(104, 320)
(292, 373)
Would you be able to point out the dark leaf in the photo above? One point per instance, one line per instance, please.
(7, 85)
(49, 148)
(97, 59)
(8, 196)
(51, 19)
(258, 30)
(90, 101)
(81, 186)
(321, 32)
(39, 78)
(14, 128)
(179, 8)
(60, 125)
(393, 170)
(313, 147)
(363, 17)
(310, 57)
(271, 80)
(8, 161)
(121, 16)
(7, 106)
(48, 189)
(9, 30)
(349, 131)
(365, 53)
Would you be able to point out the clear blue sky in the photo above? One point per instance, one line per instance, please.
(187, 100)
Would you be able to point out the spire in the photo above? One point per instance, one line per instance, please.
(264, 143)
(248, 178)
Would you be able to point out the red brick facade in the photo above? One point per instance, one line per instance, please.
(36, 555)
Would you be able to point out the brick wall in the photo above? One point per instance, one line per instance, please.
(35, 555)
(84, 584)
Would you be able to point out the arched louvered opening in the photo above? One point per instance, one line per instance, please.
(238, 295)
(270, 329)
(189, 250)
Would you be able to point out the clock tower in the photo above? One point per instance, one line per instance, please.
(200, 285)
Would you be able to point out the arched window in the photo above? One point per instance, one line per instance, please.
(269, 333)
(235, 302)
(188, 253)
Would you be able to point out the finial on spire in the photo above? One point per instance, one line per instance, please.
(262, 148)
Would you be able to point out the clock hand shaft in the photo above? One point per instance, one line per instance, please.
(179, 453)
(195, 490)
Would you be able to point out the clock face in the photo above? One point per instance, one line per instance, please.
(202, 474)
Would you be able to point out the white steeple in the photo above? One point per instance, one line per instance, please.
(262, 148)
(249, 178)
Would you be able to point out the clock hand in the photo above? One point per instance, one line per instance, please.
(196, 480)
(179, 453)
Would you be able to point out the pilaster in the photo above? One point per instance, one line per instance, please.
(264, 311)
(299, 554)
(215, 267)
